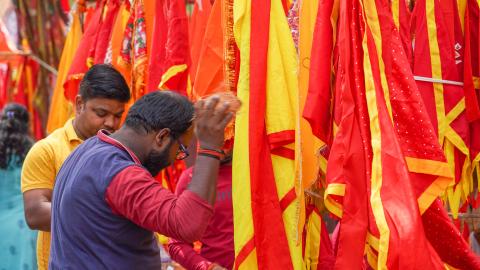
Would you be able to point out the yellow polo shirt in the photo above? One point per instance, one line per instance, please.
(40, 168)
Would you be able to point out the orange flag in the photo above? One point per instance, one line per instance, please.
(170, 54)
(197, 27)
(61, 109)
(265, 202)
(209, 77)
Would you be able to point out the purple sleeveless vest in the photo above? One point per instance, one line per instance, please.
(86, 234)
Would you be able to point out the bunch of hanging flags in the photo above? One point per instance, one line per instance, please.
(374, 101)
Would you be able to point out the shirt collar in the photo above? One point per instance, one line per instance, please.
(70, 131)
(104, 136)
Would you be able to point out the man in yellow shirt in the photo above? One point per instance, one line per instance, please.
(100, 105)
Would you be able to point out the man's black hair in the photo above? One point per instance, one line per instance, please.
(103, 81)
(161, 109)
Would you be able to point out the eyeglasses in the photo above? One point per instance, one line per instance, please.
(182, 152)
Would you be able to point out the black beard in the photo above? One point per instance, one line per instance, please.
(157, 161)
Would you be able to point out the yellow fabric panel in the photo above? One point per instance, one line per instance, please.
(282, 112)
(250, 262)
(376, 141)
(333, 206)
(312, 244)
(60, 108)
(461, 7)
(40, 168)
(432, 192)
(284, 172)
(374, 24)
(171, 72)
(436, 69)
(241, 196)
(396, 12)
(456, 111)
(282, 72)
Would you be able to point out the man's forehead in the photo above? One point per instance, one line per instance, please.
(110, 105)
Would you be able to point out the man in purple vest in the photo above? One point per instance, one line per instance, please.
(106, 203)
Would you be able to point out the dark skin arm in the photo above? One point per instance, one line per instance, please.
(38, 208)
(210, 123)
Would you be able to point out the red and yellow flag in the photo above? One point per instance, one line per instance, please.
(472, 67)
(318, 249)
(438, 67)
(266, 206)
(385, 166)
(401, 17)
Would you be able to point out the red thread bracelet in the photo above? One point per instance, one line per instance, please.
(211, 152)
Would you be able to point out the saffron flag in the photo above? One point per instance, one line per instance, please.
(209, 77)
(318, 253)
(308, 162)
(61, 109)
(265, 202)
(197, 27)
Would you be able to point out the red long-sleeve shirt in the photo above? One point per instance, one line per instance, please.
(136, 195)
(217, 241)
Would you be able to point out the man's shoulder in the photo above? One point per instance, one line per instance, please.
(55, 147)
(57, 136)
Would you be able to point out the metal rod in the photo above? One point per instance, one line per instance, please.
(434, 80)
(313, 194)
(466, 215)
(35, 58)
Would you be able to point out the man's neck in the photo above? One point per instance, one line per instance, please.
(132, 141)
(77, 130)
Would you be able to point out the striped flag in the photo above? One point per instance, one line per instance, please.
(438, 65)
(385, 165)
(318, 247)
(401, 18)
(472, 94)
(265, 202)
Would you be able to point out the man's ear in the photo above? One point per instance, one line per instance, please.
(163, 137)
(79, 104)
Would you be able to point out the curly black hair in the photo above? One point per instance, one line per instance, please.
(161, 109)
(15, 140)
